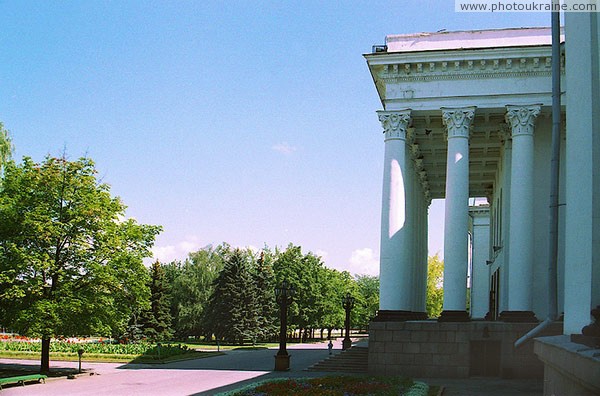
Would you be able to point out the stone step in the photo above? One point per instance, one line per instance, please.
(353, 360)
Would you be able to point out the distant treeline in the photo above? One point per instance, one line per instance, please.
(226, 294)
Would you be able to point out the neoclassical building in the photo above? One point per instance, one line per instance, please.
(467, 116)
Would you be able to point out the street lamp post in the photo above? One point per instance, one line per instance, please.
(284, 295)
(348, 303)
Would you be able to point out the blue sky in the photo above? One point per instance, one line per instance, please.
(250, 122)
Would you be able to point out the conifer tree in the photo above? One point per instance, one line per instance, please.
(264, 278)
(156, 321)
(233, 309)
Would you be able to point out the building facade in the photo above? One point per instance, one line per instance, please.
(468, 115)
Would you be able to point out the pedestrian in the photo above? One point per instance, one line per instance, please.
(330, 347)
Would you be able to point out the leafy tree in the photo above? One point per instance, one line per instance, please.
(435, 290)
(69, 262)
(233, 312)
(156, 321)
(367, 300)
(190, 286)
(6, 147)
(333, 285)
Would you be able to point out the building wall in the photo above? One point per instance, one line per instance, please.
(582, 254)
(452, 350)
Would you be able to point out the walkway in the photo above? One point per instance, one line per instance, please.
(221, 373)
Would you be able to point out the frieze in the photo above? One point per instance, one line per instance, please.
(468, 69)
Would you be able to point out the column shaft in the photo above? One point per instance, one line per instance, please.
(395, 271)
(520, 259)
(480, 274)
(456, 228)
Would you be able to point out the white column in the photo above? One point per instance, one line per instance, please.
(409, 247)
(520, 260)
(458, 122)
(394, 272)
(504, 218)
(480, 272)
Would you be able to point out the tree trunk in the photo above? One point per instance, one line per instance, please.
(45, 361)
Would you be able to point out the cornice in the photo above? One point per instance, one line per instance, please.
(469, 69)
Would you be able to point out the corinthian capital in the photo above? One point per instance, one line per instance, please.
(458, 121)
(522, 118)
(394, 123)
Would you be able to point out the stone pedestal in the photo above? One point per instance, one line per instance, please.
(569, 368)
(282, 362)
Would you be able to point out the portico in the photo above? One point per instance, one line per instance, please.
(460, 123)
(465, 115)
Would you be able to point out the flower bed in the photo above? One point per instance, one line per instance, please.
(142, 349)
(334, 386)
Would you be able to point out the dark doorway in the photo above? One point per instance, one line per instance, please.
(484, 359)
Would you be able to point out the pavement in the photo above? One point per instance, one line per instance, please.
(232, 370)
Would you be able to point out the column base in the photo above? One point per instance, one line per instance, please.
(454, 316)
(282, 362)
(346, 344)
(518, 317)
(398, 316)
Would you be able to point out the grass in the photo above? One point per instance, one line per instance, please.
(335, 385)
(210, 345)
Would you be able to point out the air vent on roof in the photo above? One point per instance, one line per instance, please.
(379, 48)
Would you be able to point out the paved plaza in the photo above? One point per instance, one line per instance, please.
(210, 376)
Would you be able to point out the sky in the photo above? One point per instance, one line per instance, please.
(246, 122)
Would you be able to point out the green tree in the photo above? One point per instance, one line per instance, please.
(69, 262)
(233, 312)
(264, 280)
(367, 300)
(435, 290)
(332, 289)
(6, 147)
(190, 285)
(156, 321)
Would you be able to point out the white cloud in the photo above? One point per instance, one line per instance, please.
(179, 251)
(284, 148)
(363, 262)
(164, 253)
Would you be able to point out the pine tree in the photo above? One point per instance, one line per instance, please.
(233, 309)
(156, 321)
(264, 279)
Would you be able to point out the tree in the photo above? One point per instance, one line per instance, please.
(233, 312)
(264, 279)
(6, 147)
(435, 283)
(70, 264)
(156, 321)
(191, 284)
(368, 299)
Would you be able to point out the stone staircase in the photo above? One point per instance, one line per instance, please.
(353, 360)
